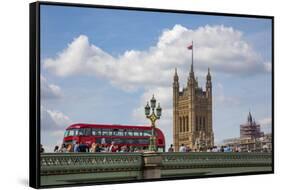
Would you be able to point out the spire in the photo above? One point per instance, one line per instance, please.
(209, 75)
(250, 119)
(176, 77)
(191, 69)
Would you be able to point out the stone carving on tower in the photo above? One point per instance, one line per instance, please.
(192, 112)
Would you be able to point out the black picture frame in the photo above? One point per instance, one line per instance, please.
(34, 91)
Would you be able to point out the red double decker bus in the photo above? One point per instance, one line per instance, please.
(122, 135)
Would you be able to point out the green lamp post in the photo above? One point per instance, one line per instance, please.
(153, 117)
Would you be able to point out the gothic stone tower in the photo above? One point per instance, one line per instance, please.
(192, 113)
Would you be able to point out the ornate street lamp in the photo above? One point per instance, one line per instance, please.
(153, 117)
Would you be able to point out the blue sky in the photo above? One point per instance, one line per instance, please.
(97, 65)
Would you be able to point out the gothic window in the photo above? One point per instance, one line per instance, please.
(200, 123)
(183, 125)
(204, 122)
(196, 125)
(180, 124)
(187, 123)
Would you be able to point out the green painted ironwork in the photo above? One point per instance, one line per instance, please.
(70, 168)
(69, 163)
(215, 160)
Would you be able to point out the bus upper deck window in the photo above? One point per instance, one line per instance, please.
(66, 133)
(147, 133)
(81, 132)
(96, 132)
(136, 133)
(72, 132)
(88, 131)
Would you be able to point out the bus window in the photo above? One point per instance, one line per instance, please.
(130, 141)
(81, 132)
(117, 132)
(129, 133)
(66, 133)
(72, 132)
(143, 141)
(136, 133)
(105, 132)
(147, 133)
(110, 132)
(88, 131)
(96, 132)
(118, 141)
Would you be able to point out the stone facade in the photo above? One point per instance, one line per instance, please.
(192, 113)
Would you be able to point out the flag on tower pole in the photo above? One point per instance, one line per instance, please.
(190, 47)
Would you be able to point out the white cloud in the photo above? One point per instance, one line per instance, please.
(268, 66)
(221, 48)
(53, 120)
(49, 91)
(223, 99)
(53, 125)
(265, 122)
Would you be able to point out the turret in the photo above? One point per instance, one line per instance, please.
(176, 77)
(175, 112)
(209, 84)
(176, 80)
(191, 83)
(176, 85)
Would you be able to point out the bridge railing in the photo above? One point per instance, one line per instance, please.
(71, 163)
(214, 160)
(66, 163)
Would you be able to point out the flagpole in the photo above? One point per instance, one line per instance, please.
(192, 54)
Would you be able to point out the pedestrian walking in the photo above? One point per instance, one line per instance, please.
(93, 147)
(171, 149)
(63, 148)
(41, 149)
(56, 149)
(77, 147)
(112, 147)
(182, 148)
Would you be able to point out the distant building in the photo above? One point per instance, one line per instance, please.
(250, 129)
(192, 113)
(251, 138)
(261, 144)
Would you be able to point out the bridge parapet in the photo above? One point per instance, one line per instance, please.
(218, 159)
(66, 163)
(70, 168)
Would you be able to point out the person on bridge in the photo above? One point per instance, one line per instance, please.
(182, 148)
(93, 147)
(41, 149)
(171, 149)
(112, 147)
(63, 148)
(56, 149)
(77, 147)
